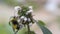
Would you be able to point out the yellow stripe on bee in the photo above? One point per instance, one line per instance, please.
(14, 26)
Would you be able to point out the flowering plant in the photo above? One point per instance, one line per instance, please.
(25, 18)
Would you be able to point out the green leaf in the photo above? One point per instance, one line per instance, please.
(43, 28)
(41, 23)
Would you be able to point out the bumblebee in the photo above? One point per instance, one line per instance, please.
(15, 24)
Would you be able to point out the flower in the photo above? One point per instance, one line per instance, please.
(17, 8)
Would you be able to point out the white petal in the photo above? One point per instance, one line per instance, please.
(17, 8)
(30, 11)
(25, 19)
(22, 17)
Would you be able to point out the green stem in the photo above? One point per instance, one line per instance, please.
(28, 28)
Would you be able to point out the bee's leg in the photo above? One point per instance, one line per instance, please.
(16, 32)
(17, 29)
(13, 29)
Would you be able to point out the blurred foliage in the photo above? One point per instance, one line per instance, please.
(15, 3)
(11, 2)
(4, 29)
(34, 4)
